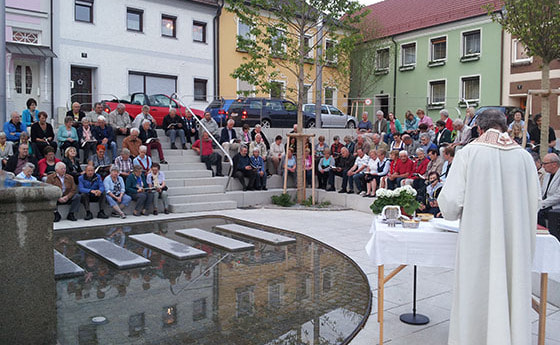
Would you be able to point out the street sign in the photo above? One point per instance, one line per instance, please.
(367, 101)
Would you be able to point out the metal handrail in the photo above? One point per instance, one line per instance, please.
(69, 101)
(226, 154)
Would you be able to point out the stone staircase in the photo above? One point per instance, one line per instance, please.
(191, 187)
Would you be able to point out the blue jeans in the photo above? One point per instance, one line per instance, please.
(358, 179)
(172, 134)
(113, 146)
(125, 200)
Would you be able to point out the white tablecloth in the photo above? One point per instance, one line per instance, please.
(431, 247)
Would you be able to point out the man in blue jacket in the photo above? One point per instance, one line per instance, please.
(91, 188)
(104, 135)
(14, 127)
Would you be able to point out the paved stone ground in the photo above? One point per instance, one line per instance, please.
(348, 231)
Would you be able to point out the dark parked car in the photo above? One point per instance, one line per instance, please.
(506, 109)
(219, 109)
(268, 112)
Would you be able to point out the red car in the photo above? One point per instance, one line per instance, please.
(159, 105)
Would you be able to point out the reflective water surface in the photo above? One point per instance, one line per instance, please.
(302, 293)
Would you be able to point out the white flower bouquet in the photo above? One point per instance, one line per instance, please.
(405, 197)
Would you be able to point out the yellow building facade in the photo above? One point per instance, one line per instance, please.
(334, 91)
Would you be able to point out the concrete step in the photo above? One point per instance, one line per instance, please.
(179, 152)
(182, 159)
(216, 240)
(196, 181)
(187, 173)
(183, 166)
(194, 198)
(204, 206)
(195, 190)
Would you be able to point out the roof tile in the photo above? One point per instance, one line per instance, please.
(393, 17)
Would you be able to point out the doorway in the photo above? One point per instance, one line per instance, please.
(382, 103)
(26, 83)
(82, 88)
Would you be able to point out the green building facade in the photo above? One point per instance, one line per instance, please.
(445, 66)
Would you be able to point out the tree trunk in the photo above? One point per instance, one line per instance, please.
(545, 108)
(300, 170)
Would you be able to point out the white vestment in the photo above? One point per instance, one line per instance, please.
(494, 189)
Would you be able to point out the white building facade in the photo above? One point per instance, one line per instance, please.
(28, 54)
(113, 48)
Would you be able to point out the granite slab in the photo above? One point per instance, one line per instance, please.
(259, 235)
(118, 256)
(65, 268)
(216, 240)
(168, 246)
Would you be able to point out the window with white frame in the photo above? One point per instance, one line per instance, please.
(275, 294)
(437, 92)
(83, 11)
(276, 89)
(330, 51)
(278, 43)
(308, 44)
(382, 59)
(244, 88)
(330, 95)
(245, 301)
(470, 88)
(168, 26)
(307, 94)
(199, 32)
(408, 54)
(519, 52)
(438, 48)
(200, 89)
(134, 19)
(244, 34)
(471, 42)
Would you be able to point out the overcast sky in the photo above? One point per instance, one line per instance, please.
(368, 2)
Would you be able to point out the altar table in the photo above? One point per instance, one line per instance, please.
(431, 247)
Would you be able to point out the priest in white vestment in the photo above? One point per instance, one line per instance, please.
(493, 189)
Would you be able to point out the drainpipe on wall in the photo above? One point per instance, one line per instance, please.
(501, 68)
(3, 111)
(52, 62)
(216, 49)
(395, 77)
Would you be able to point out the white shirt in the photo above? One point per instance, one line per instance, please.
(361, 161)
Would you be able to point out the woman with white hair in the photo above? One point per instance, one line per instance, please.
(144, 115)
(115, 192)
(143, 159)
(27, 172)
(6, 149)
(150, 139)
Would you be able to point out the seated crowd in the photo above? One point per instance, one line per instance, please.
(382, 154)
(108, 178)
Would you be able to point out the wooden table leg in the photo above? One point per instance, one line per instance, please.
(380, 296)
(542, 308)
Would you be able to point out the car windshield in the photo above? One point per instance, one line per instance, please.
(310, 108)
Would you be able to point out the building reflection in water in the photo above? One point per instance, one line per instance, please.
(302, 293)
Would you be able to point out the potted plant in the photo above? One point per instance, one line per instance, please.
(404, 197)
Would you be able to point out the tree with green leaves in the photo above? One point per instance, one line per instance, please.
(537, 25)
(289, 34)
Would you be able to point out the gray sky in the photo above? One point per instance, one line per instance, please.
(368, 2)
